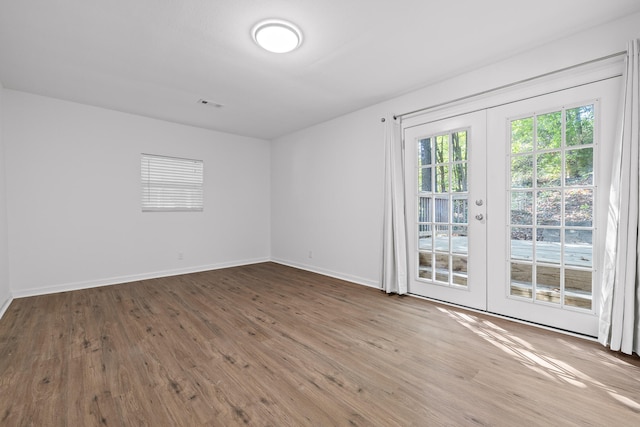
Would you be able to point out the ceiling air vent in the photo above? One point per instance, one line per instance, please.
(209, 103)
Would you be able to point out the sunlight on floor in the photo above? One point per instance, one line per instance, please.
(525, 353)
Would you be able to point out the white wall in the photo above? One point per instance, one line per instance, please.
(73, 197)
(5, 292)
(72, 193)
(327, 179)
(327, 198)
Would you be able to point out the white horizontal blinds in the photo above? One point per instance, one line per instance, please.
(171, 184)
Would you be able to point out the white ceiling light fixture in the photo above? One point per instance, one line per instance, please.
(277, 36)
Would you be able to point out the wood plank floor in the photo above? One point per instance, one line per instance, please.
(268, 345)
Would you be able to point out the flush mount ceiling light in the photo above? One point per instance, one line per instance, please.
(277, 36)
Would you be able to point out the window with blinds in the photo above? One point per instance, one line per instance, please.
(171, 183)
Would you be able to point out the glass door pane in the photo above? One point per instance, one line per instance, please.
(547, 177)
(443, 208)
(552, 196)
(445, 170)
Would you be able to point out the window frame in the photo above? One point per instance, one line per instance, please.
(171, 184)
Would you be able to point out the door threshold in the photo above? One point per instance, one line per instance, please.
(501, 316)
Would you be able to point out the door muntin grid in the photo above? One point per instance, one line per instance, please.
(552, 197)
(442, 175)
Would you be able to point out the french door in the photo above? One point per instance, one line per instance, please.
(507, 206)
(551, 170)
(445, 163)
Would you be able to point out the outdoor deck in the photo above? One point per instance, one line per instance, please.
(578, 287)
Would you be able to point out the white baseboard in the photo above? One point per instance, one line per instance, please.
(65, 287)
(5, 306)
(346, 277)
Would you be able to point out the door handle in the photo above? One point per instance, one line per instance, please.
(479, 217)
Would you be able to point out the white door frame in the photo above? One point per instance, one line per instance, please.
(604, 95)
(585, 75)
(474, 294)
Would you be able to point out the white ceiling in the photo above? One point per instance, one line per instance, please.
(157, 58)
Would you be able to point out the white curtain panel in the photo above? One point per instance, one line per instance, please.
(394, 247)
(620, 299)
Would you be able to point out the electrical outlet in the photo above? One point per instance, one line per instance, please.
(180, 256)
(310, 254)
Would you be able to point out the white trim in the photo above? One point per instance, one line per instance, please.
(335, 275)
(583, 65)
(75, 286)
(167, 273)
(171, 184)
(5, 306)
(586, 74)
(511, 319)
(65, 287)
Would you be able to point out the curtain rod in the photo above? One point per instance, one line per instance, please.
(519, 82)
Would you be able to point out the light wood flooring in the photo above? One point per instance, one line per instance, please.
(269, 345)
